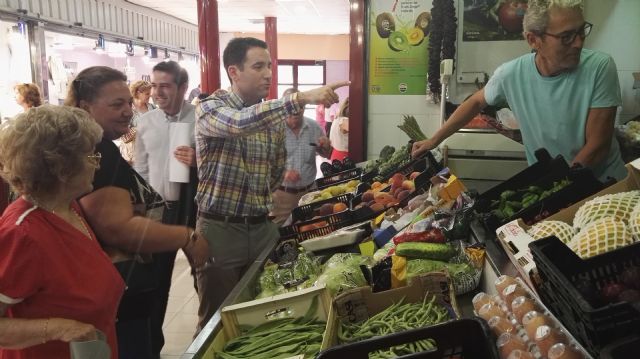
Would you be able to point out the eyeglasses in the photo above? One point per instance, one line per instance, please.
(95, 158)
(568, 37)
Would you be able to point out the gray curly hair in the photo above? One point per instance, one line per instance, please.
(536, 18)
(41, 148)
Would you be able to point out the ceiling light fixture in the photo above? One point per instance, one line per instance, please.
(129, 49)
(100, 45)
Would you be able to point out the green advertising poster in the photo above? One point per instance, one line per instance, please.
(398, 47)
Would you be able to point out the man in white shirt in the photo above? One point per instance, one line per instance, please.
(169, 84)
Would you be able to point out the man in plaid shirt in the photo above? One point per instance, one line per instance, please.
(241, 156)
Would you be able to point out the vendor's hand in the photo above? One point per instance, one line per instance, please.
(292, 176)
(197, 251)
(421, 147)
(324, 95)
(68, 330)
(186, 155)
(324, 146)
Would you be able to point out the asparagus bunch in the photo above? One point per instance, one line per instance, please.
(411, 128)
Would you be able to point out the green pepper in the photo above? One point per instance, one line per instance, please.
(508, 211)
(534, 189)
(506, 195)
(528, 201)
(515, 205)
(498, 213)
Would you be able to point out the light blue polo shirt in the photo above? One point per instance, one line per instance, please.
(552, 111)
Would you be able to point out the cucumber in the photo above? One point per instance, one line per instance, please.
(436, 251)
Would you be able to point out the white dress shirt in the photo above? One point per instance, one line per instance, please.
(152, 152)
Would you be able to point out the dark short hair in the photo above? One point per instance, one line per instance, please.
(235, 54)
(87, 85)
(180, 75)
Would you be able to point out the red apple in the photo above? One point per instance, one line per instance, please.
(413, 175)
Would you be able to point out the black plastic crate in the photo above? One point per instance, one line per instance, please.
(622, 349)
(541, 174)
(459, 339)
(338, 178)
(306, 212)
(559, 268)
(324, 225)
(419, 164)
(542, 168)
(287, 232)
(421, 182)
(583, 184)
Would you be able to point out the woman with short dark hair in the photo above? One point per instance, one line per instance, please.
(121, 210)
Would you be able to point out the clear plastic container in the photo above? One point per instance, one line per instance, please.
(520, 354)
(512, 292)
(508, 342)
(521, 306)
(501, 325)
(491, 310)
(503, 281)
(481, 299)
(563, 351)
(546, 337)
(532, 320)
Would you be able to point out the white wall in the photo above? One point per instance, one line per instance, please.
(616, 31)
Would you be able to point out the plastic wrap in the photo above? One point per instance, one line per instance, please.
(287, 277)
(342, 272)
(455, 221)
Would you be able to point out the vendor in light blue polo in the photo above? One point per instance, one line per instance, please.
(564, 97)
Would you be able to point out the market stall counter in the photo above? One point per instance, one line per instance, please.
(496, 264)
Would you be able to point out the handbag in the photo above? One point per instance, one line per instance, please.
(140, 284)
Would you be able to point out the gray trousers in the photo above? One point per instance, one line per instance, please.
(234, 248)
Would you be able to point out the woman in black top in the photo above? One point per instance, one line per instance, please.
(119, 207)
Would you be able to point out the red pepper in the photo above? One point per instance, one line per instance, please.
(433, 235)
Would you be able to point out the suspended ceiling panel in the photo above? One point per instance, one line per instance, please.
(294, 16)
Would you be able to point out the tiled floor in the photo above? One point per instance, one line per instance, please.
(182, 311)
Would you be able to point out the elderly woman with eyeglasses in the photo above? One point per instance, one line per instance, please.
(56, 283)
(122, 208)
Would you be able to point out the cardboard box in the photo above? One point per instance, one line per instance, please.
(256, 312)
(515, 240)
(630, 183)
(359, 304)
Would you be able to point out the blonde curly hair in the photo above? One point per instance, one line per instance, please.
(139, 87)
(45, 146)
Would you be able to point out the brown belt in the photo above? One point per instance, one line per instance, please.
(293, 190)
(231, 219)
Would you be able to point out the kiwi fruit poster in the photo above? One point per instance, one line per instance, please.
(398, 46)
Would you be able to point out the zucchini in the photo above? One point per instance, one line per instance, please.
(436, 251)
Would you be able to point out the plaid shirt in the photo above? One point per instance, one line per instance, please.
(240, 152)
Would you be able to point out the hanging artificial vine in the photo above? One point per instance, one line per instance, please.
(442, 42)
